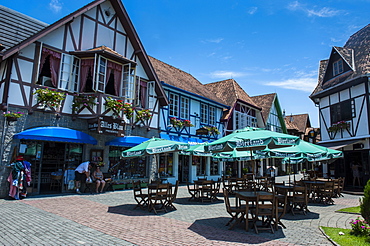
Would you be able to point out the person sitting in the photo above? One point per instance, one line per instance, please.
(99, 179)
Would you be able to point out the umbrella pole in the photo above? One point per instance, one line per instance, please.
(253, 162)
(289, 169)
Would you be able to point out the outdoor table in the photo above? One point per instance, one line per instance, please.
(249, 196)
(313, 187)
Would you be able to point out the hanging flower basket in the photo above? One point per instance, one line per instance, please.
(49, 97)
(117, 106)
(187, 123)
(12, 116)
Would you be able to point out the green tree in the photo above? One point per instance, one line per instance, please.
(365, 203)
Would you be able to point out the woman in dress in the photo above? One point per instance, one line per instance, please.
(98, 176)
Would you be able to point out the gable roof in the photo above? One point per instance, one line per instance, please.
(229, 91)
(16, 27)
(298, 121)
(265, 102)
(355, 53)
(127, 25)
(180, 79)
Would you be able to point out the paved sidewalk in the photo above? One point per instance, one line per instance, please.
(109, 219)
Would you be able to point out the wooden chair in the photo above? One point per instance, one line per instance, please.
(158, 200)
(215, 190)
(299, 199)
(172, 197)
(326, 193)
(264, 212)
(139, 196)
(341, 186)
(206, 190)
(236, 212)
(192, 190)
(282, 205)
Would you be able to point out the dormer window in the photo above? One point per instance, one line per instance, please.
(337, 67)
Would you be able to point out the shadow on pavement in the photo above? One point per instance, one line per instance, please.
(185, 201)
(128, 210)
(214, 229)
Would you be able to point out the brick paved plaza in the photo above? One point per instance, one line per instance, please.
(109, 219)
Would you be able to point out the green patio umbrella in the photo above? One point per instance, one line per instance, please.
(236, 155)
(154, 146)
(251, 138)
(197, 150)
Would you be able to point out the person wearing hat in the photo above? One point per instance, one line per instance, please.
(19, 178)
(82, 172)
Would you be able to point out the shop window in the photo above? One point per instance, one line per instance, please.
(200, 162)
(166, 165)
(125, 168)
(214, 168)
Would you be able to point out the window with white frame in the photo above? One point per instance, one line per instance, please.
(273, 121)
(244, 120)
(212, 115)
(128, 82)
(204, 113)
(151, 95)
(338, 67)
(69, 73)
(173, 107)
(101, 73)
(184, 108)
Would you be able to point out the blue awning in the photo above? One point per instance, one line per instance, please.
(191, 141)
(56, 134)
(128, 141)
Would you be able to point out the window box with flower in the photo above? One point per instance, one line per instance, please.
(212, 130)
(340, 125)
(81, 101)
(12, 116)
(49, 98)
(177, 123)
(115, 105)
(143, 115)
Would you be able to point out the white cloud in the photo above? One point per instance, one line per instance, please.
(323, 12)
(306, 84)
(252, 10)
(216, 40)
(226, 74)
(55, 6)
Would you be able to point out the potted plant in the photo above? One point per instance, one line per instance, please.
(12, 116)
(49, 97)
(143, 115)
(83, 100)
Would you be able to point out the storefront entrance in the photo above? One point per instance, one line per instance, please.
(184, 168)
(53, 164)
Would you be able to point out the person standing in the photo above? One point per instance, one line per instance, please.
(356, 173)
(82, 172)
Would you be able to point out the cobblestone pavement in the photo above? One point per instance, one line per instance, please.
(109, 219)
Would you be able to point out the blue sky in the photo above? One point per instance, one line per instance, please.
(269, 46)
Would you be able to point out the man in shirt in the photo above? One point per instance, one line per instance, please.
(82, 172)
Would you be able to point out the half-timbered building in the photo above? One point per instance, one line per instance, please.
(342, 97)
(87, 72)
(193, 115)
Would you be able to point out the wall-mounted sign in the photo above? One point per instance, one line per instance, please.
(202, 131)
(107, 125)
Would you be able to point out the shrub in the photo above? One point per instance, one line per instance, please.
(359, 227)
(365, 202)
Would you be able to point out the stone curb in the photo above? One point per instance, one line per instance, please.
(332, 241)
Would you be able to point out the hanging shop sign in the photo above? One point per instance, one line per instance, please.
(107, 125)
